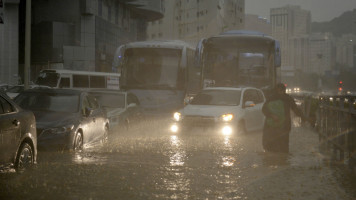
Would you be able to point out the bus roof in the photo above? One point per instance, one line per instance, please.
(174, 44)
(243, 34)
(65, 71)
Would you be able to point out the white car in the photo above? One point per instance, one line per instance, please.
(225, 109)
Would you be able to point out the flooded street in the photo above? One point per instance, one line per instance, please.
(151, 163)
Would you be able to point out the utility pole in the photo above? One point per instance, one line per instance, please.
(27, 44)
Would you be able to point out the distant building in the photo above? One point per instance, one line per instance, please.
(191, 20)
(84, 34)
(9, 42)
(299, 53)
(288, 23)
(345, 48)
(322, 53)
(257, 23)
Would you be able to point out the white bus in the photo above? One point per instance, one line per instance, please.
(239, 58)
(158, 72)
(58, 78)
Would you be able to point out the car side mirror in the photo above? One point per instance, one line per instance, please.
(88, 112)
(249, 104)
(131, 105)
(188, 100)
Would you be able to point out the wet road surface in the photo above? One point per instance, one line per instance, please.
(148, 162)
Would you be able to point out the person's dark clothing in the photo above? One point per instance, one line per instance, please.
(276, 133)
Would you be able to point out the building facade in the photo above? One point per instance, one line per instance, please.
(191, 20)
(257, 23)
(84, 34)
(9, 42)
(288, 23)
(345, 48)
(322, 53)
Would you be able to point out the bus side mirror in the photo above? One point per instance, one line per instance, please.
(199, 53)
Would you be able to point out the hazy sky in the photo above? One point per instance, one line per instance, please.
(321, 10)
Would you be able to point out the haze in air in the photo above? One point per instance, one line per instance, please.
(322, 10)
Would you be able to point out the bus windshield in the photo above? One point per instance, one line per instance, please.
(153, 68)
(238, 63)
(48, 79)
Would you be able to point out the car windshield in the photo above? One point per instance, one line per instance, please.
(218, 97)
(52, 102)
(153, 68)
(110, 100)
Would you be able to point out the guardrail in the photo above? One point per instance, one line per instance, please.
(336, 125)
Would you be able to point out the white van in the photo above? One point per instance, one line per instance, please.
(58, 78)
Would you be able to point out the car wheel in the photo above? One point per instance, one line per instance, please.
(78, 142)
(25, 157)
(241, 128)
(105, 138)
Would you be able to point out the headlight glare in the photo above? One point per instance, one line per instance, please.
(177, 116)
(227, 117)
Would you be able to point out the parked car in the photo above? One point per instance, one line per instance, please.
(18, 135)
(122, 108)
(13, 91)
(226, 109)
(66, 119)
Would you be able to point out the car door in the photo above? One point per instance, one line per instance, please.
(260, 118)
(250, 112)
(87, 121)
(10, 130)
(99, 117)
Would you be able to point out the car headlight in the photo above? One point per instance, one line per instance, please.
(227, 117)
(177, 116)
(59, 130)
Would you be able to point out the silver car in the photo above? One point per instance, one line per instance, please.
(18, 135)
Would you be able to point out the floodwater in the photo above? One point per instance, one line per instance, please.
(149, 162)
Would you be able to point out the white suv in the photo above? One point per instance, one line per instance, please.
(224, 109)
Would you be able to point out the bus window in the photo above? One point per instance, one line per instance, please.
(64, 83)
(80, 81)
(97, 81)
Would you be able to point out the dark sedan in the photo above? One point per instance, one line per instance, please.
(66, 119)
(18, 135)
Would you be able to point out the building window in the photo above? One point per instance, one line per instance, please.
(109, 13)
(100, 8)
(160, 35)
(116, 12)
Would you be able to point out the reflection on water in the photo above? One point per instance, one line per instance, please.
(227, 160)
(89, 158)
(177, 153)
(271, 159)
(177, 182)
